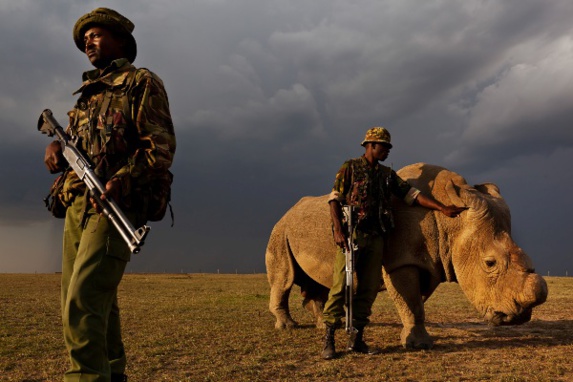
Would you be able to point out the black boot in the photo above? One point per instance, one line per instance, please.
(329, 352)
(357, 344)
(118, 378)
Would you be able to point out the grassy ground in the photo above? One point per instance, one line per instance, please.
(217, 328)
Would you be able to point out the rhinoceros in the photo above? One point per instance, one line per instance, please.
(425, 249)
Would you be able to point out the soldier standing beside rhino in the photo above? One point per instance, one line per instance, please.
(124, 126)
(366, 185)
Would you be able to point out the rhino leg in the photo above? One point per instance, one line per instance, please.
(280, 273)
(403, 285)
(315, 295)
(315, 307)
(278, 306)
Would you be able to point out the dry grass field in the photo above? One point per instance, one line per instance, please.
(203, 327)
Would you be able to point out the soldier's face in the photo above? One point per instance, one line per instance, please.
(380, 151)
(102, 47)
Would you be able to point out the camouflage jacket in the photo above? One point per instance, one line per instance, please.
(124, 124)
(368, 188)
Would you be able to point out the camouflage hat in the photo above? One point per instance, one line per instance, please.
(377, 135)
(107, 18)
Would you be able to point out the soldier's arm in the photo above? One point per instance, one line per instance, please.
(402, 189)
(338, 232)
(152, 119)
(335, 200)
(412, 195)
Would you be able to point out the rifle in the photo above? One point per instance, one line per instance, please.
(134, 238)
(348, 212)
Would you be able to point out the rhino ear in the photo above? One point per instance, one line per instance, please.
(489, 189)
(454, 193)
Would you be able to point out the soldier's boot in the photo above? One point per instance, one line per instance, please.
(118, 378)
(329, 351)
(356, 343)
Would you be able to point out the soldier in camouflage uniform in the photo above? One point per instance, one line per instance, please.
(367, 185)
(124, 124)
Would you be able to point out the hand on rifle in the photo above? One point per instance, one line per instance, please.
(336, 215)
(340, 240)
(54, 159)
(112, 191)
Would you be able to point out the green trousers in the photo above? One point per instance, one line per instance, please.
(368, 271)
(94, 259)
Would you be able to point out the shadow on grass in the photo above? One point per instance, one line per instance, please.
(453, 337)
(480, 335)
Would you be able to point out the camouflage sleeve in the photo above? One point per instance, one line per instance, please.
(341, 184)
(156, 136)
(402, 189)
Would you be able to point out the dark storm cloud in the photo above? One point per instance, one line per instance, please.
(269, 97)
(527, 109)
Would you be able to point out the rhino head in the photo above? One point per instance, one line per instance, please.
(496, 275)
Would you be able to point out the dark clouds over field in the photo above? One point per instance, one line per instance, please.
(270, 97)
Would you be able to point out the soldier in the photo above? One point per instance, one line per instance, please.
(366, 184)
(123, 121)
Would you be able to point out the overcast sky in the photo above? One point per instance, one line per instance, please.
(269, 97)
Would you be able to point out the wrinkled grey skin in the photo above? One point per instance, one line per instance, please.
(426, 248)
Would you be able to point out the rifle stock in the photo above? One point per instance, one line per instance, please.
(133, 237)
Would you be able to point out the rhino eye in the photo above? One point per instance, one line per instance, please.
(490, 263)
